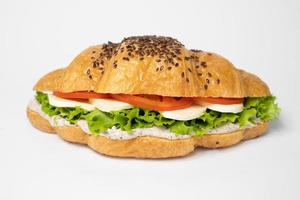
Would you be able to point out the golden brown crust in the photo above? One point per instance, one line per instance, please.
(83, 74)
(154, 65)
(253, 85)
(51, 81)
(39, 122)
(146, 147)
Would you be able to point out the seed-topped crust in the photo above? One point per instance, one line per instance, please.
(153, 65)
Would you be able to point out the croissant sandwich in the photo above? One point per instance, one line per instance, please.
(150, 97)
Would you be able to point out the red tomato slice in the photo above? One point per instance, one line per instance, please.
(81, 95)
(225, 101)
(153, 102)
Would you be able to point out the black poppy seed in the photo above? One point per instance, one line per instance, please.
(196, 50)
(203, 64)
(176, 64)
(207, 81)
(93, 51)
(126, 58)
(217, 142)
(90, 76)
(158, 60)
(199, 74)
(92, 58)
(187, 80)
(88, 71)
(205, 86)
(182, 74)
(157, 69)
(169, 68)
(101, 68)
(190, 70)
(102, 72)
(209, 74)
(218, 81)
(186, 58)
(141, 58)
(197, 66)
(115, 66)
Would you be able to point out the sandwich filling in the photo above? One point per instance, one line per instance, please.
(120, 119)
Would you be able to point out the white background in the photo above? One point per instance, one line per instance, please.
(38, 36)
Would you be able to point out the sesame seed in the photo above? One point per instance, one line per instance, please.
(196, 50)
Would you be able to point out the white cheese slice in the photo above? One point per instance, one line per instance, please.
(232, 108)
(192, 112)
(47, 92)
(108, 105)
(60, 102)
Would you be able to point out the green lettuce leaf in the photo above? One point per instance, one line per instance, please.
(98, 121)
(72, 115)
(255, 109)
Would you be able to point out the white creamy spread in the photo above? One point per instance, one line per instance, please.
(118, 134)
(55, 121)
